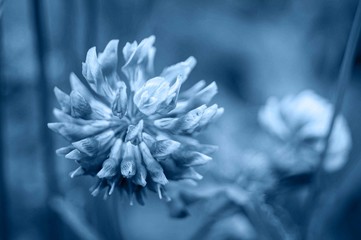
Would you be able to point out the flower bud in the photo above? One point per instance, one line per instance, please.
(206, 94)
(127, 165)
(141, 173)
(80, 108)
(189, 122)
(172, 96)
(89, 146)
(63, 100)
(165, 123)
(110, 166)
(139, 62)
(119, 106)
(154, 168)
(134, 132)
(108, 59)
(149, 97)
(92, 70)
(92, 146)
(163, 148)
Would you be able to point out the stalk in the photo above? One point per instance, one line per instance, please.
(47, 146)
(314, 227)
(4, 225)
(343, 82)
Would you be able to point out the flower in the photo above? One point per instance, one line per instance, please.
(139, 137)
(302, 121)
(230, 201)
(251, 177)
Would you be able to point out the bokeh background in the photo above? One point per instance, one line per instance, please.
(253, 49)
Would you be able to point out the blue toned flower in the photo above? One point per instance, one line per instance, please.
(251, 176)
(137, 137)
(303, 121)
(232, 202)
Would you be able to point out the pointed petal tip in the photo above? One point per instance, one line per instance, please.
(198, 176)
(143, 182)
(151, 39)
(92, 51)
(73, 75)
(95, 192)
(64, 150)
(77, 172)
(54, 126)
(57, 91)
(89, 146)
(113, 43)
(75, 155)
(200, 159)
(56, 111)
(213, 85)
(102, 173)
(219, 113)
(163, 180)
(192, 61)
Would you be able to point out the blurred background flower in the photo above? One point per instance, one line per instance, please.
(301, 122)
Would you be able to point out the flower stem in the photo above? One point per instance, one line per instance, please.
(314, 226)
(343, 81)
(47, 146)
(4, 219)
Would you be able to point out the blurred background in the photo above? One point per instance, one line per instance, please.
(253, 49)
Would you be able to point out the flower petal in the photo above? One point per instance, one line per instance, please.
(182, 69)
(154, 168)
(139, 62)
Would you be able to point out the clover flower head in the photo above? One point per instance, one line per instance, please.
(303, 121)
(137, 136)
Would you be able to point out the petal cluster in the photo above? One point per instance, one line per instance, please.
(303, 121)
(139, 133)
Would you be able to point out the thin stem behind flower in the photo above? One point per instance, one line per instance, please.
(4, 219)
(343, 81)
(46, 145)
